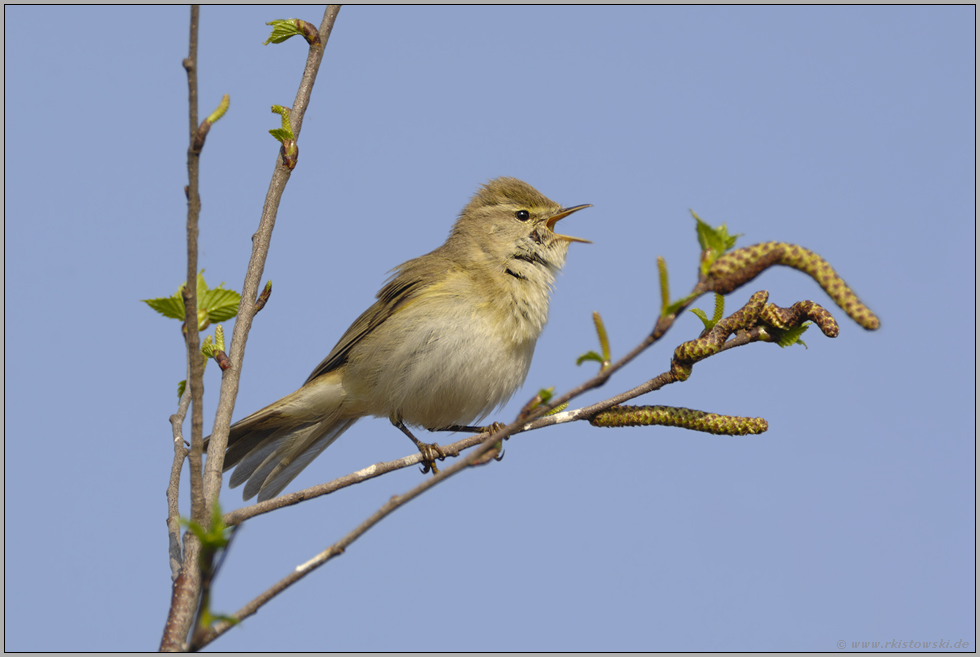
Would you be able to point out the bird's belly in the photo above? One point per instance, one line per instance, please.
(438, 372)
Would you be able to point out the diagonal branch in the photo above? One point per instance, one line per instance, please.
(204, 490)
(752, 323)
(256, 264)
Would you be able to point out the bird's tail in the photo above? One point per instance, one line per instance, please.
(273, 445)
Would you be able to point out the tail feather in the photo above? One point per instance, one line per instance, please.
(245, 442)
(271, 469)
(270, 447)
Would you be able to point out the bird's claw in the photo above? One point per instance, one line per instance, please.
(430, 453)
(492, 428)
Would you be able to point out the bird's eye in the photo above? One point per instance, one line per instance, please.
(522, 215)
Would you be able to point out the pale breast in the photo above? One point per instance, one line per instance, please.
(442, 360)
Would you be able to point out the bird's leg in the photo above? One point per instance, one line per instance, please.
(492, 428)
(497, 453)
(430, 451)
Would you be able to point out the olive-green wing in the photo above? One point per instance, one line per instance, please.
(406, 284)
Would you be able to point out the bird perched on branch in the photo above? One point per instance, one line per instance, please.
(449, 339)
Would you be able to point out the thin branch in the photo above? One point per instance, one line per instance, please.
(484, 445)
(256, 264)
(340, 546)
(173, 488)
(239, 516)
(742, 323)
(195, 382)
(186, 588)
(485, 440)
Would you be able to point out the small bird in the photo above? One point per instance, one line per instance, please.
(449, 340)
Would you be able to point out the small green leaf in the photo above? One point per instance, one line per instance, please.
(217, 534)
(172, 307)
(202, 286)
(546, 394)
(715, 239)
(219, 338)
(208, 348)
(600, 329)
(284, 133)
(180, 389)
(283, 29)
(213, 305)
(672, 309)
(719, 313)
(708, 324)
(714, 242)
(589, 356)
(221, 304)
(789, 337)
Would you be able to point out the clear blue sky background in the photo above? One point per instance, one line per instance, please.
(847, 130)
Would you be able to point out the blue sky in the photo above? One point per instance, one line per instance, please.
(850, 131)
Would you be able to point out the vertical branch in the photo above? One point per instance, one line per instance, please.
(186, 588)
(260, 249)
(195, 382)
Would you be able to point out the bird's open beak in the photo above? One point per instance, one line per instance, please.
(561, 215)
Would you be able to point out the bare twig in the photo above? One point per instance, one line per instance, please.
(195, 382)
(239, 516)
(260, 249)
(173, 488)
(186, 588)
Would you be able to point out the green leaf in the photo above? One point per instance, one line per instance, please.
(216, 536)
(672, 309)
(719, 313)
(213, 305)
(208, 348)
(714, 241)
(221, 304)
(180, 389)
(202, 286)
(172, 307)
(708, 324)
(600, 329)
(589, 356)
(283, 29)
(789, 337)
(285, 132)
(219, 338)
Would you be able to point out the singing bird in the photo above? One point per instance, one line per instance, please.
(449, 339)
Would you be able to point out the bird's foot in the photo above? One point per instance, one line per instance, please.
(430, 452)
